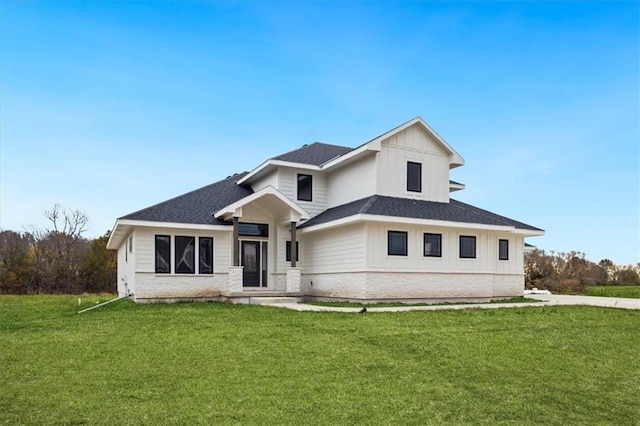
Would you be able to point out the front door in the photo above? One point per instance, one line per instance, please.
(251, 262)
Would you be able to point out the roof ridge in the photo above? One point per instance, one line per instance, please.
(372, 199)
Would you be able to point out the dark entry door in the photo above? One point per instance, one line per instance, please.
(251, 262)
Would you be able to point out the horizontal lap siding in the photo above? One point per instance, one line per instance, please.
(288, 185)
(145, 248)
(335, 250)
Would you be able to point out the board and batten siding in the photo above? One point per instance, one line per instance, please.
(288, 185)
(352, 182)
(413, 144)
(486, 261)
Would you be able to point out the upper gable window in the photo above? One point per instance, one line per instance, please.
(305, 187)
(414, 176)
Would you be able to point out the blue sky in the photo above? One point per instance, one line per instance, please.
(110, 107)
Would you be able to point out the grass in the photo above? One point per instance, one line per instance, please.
(211, 363)
(520, 299)
(630, 291)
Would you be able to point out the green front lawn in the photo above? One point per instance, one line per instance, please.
(631, 291)
(208, 363)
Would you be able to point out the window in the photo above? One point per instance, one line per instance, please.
(288, 251)
(433, 245)
(163, 254)
(467, 247)
(185, 255)
(253, 229)
(305, 187)
(206, 255)
(414, 177)
(397, 243)
(503, 249)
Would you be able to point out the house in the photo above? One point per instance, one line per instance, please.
(370, 223)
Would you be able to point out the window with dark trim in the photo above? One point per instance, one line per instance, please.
(414, 176)
(163, 254)
(305, 187)
(253, 229)
(288, 251)
(205, 255)
(397, 243)
(467, 247)
(503, 249)
(185, 255)
(432, 245)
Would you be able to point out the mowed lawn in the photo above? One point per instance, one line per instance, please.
(206, 363)
(630, 291)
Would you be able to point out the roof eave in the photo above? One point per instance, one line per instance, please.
(271, 164)
(360, 217)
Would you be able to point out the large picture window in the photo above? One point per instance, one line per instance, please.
(467, 247)
(414, 176)
(206, 255)
(288, 251)
(503, 249)
(432, 245)
(397, 243)
(305, 187)
(163, 254)
(185, 255)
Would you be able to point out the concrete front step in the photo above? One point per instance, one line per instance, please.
(271, 300)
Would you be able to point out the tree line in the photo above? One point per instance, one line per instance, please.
(57, 259)
(573, 273)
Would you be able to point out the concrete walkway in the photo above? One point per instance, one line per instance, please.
(544, 300)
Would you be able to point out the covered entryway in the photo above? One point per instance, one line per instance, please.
(254, 260)
(252, 240)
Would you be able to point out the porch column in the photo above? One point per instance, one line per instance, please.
(236, 243)
(293, 244)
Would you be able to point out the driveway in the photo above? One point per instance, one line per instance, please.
(605, 302)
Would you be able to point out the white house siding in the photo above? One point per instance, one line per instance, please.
(126, 268)
(270, 179)
(288, 185)
(334, 262)
(413, 144)
(449, 276)
(149, 285)
(352, 182)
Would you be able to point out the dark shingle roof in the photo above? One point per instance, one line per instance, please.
(316, 153)
(454, 211)
(196, 206)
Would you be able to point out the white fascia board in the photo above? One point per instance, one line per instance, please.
(271, 164)
(267, 190)
(455, 160)
(152, 224)
(117, 236)
(422, 222)
(371, 146)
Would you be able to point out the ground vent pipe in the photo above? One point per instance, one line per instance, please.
(106, 303)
